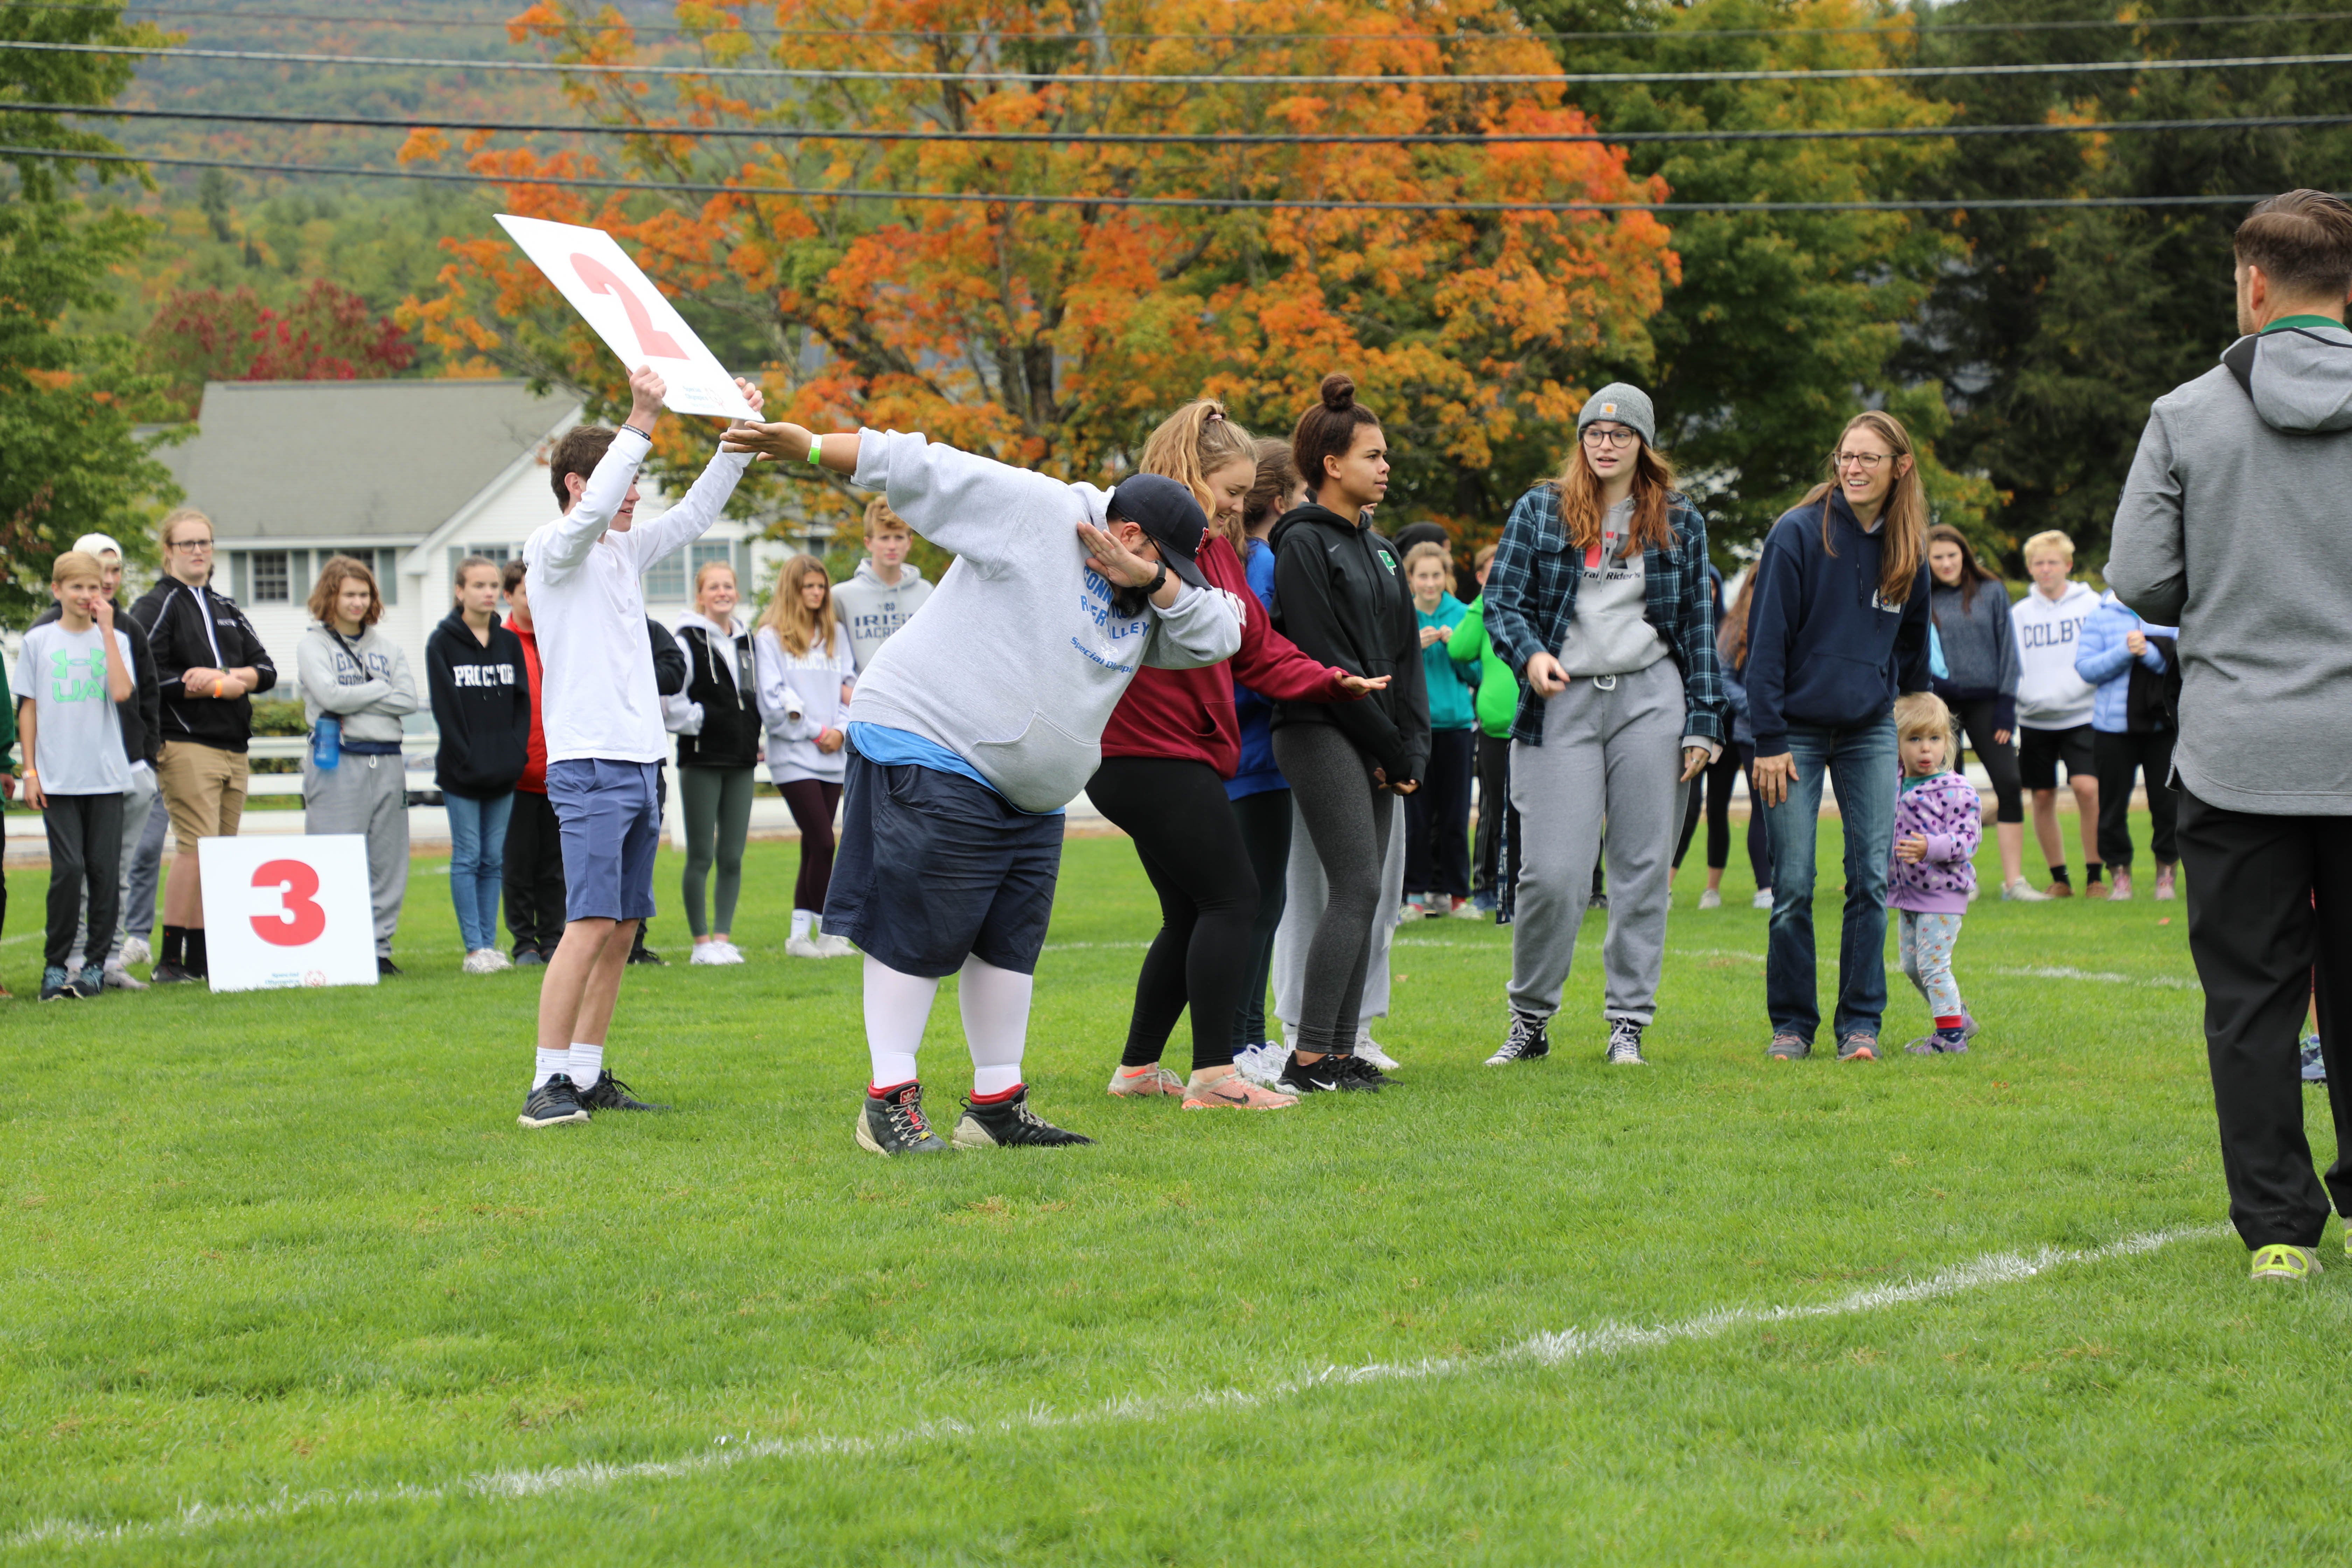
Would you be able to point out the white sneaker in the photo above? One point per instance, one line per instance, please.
(1262, 1063)
(481, 961)
(121, 979)
(836, 946)
(135, 949)
(1409, 912)
(728, 953)
(804, 947)
(1711, 900)
(1370, 1051)
(1762, 900)
(498, 961)
(2023, 892)
(706, 953)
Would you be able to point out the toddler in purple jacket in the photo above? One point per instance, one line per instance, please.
(1939, 822)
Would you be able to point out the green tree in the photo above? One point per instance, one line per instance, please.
(71, 459)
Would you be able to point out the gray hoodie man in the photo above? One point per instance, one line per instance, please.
(2234, 527)
(871, 609)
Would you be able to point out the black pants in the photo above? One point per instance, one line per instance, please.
(1348, 822)
(812, 803)
(1494, 806)
(1265, 822)
(85, 850)
(2149, 756)
(534, 874)
(1437, 819)
(1717, 781)
(2270, 916)
(1998, 757)
(1190, 845)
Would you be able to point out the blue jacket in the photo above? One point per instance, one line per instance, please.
(1450, 680)
(2103, 658)
(1822, 650)
(1254, 713)
(1531, 597)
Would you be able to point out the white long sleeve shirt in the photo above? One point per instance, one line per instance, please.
(597, 697)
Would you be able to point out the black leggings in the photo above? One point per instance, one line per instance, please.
(1716, 780)
(1190, 845)
(2000, 758)
(813, 802)
(1348, 820)
(1264, 819)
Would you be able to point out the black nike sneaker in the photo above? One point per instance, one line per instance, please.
(1010, 1124)
(1332, 1075)
(552, 1104)
(1358, 1074)
(611, 1094)
(894, 1123)
(171, 975)
(1526, 1041)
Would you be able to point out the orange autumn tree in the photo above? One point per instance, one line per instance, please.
(1055, 335)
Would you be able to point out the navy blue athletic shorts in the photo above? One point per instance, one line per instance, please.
(934, 867)
(608, 816)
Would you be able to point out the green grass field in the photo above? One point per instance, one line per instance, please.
(285, 1282)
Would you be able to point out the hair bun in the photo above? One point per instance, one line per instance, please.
(1338, 393)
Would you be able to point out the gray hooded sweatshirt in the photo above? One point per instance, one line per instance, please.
(1019, 658)
(2235, 527)
(370, 696)
(873, 610)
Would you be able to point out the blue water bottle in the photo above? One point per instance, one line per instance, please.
(326, 742)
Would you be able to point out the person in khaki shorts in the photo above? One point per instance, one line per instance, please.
(209, 662)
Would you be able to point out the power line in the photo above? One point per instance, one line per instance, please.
(1224, 203)
(1521, 78)
(1206, 138)
(1931, 29)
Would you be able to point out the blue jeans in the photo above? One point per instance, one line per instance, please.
(1864, 762)
(477, 864)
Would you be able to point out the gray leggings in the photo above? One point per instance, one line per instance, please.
(1348, 821)
(718, 803)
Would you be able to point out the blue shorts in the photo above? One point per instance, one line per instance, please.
(934, 868)
(608, 816)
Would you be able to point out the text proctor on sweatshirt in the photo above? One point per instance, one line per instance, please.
(872, 611)
(2049, 695)
(1021, 653)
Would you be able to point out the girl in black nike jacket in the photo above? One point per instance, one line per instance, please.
(1340, 595)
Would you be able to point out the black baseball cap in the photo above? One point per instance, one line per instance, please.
(1170, 516)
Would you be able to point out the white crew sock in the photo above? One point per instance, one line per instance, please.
(896, 1007)
(587, 1066)
(995, 1022)
(550, 1064)
(805, 920)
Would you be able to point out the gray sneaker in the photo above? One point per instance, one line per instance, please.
(1858, 1048)
(1789, 1049)
(1625, 1045)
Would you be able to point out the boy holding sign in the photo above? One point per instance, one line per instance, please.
(606, 742)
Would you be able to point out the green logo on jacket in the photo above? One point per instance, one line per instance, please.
(1387, 560)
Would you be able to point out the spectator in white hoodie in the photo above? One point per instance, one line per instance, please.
(805, 673)
(2053, 708)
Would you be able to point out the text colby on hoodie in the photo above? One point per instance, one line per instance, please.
(2233, 527)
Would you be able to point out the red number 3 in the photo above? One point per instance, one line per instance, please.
(601, 280)
(302, 920)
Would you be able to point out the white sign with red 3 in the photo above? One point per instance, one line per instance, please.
(589, 270)
(282, 911)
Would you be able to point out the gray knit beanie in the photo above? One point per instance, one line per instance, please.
(1628, 405)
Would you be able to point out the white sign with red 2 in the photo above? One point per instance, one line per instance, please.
(589, 269)
(287, 912)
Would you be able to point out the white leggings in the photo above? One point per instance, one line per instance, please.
(995, 1003)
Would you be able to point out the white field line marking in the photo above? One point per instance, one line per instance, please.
(1544, 1350)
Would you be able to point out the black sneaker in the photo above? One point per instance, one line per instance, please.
(610, 1093)
(1010, 1124)
(388, 969)
(894, 1123)
(647, 955)
(1625, 1045)
(171, 975)
(90, 982)
(529, 958)
(56, 984)
(1526, 1041)
(1355, 1073)
(1305, 1077)
(552, 1104)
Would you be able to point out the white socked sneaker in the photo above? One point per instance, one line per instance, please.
(479, 962)
(706, 953)
(728, 953)
(1711, 900)
(136, 951)
(836, 946)
(803, 947)
(1762, 900)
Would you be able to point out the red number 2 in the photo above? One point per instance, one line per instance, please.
(302, 920)
(601, 280)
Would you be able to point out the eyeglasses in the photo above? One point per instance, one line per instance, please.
(191, 546)
(1616, 435)
(1866, 461)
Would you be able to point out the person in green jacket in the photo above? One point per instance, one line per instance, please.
(1498, 705)
(1437, 816)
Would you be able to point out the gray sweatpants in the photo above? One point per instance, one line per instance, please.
(367, 795)
(1606, 753)
(137, 801)
(1306, 891)
(142, 870)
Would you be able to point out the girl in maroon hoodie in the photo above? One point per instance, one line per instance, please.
(1170, 746)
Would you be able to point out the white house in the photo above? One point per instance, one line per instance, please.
(409, 476)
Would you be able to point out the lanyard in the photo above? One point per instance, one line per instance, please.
(204, 615)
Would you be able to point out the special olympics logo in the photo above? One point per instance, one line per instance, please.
(314, 977)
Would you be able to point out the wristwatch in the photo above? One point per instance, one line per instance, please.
(1158, 581)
